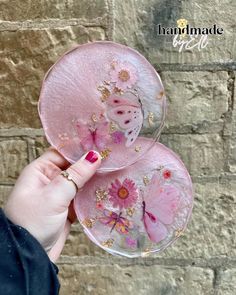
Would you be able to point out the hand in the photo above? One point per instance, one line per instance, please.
(40, 200)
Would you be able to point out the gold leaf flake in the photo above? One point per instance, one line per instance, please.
(88, 222)
(63, 136)
(130, 211)
(105, 92)
(101, 194)
(150, 118)
(118, 91)
(94, 118)
(105, 153)
(60, 146)
(146, 252)
(137, 148)
(160, 95)
(108, 243)
(113, 64)
(107, 82)
(179, 232)
(160, 168)
(112, 127)
(146, 180)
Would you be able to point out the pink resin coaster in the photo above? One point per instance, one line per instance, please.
(102, 96)
(141, 209)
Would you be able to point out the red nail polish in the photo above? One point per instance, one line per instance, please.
(91, 157)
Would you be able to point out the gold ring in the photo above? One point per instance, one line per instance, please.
(69, 177)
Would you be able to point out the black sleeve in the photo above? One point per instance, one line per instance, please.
(25, 268)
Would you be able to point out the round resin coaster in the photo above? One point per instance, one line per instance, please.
(141, 209)
(102, 96)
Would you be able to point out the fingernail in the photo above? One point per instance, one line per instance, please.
(91, 157)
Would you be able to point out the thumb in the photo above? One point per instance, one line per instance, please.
(62, 190)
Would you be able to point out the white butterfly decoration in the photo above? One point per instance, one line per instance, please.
(127, 113)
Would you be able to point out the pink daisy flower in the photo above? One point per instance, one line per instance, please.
(124, 75)
(123, 195)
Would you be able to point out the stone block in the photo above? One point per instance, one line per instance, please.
(202, 154)
(14, 157)
(135, 24)
(227, 282)
(232, 134)
(137, 279)
(25, 56)
(4, 193)
(20, 10)
(211, 231)
(40, 146)
(78, 244)
(196, 101)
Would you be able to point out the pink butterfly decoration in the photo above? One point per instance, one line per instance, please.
(127, 114)
(114, 220)
(93, 136)
(159, 208)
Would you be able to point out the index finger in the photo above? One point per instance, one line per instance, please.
(52, 156)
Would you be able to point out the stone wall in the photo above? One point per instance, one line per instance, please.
(200, 126)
